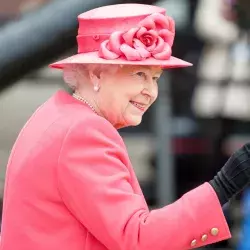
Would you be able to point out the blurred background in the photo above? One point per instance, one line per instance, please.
(202, 114)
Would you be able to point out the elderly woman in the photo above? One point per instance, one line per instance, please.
(70, 184)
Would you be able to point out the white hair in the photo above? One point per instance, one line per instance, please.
(74, 73)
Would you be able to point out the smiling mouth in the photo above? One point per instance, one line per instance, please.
(138, 105)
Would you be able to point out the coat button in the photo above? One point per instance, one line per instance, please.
(193, 243)
(96, 37)
(214, 231)
(204, 237)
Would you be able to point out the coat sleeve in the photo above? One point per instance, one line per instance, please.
(95, 185)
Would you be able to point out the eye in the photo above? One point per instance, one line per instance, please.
(155, 79)
(141, 74)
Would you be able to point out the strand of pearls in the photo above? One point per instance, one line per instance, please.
(84, 101)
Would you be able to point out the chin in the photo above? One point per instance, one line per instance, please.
(134, 121)
(129, 121)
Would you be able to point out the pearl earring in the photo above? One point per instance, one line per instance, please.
(96, 88)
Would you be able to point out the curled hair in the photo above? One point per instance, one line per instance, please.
(74, 74)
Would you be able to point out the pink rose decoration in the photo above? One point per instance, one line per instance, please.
(153, 37)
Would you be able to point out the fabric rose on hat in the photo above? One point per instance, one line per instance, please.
(153, 37)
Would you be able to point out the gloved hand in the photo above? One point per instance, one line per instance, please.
(234, 175)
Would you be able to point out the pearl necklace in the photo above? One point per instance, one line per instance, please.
(85, 101)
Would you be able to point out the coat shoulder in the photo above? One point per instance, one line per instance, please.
(92, 127)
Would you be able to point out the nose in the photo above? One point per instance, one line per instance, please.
(150, 90)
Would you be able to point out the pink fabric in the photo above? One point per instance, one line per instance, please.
(130, 33)
(92, 57)
(70, 185)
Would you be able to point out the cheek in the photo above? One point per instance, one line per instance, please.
(131, 90)
(135, 88)
(116, 102)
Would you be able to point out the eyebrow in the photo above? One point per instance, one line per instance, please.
(159, 72)
(148, 68)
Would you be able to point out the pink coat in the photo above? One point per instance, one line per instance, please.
(70, 186)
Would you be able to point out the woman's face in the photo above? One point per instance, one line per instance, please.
(125, 95)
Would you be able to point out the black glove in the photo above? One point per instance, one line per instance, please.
(234, 176)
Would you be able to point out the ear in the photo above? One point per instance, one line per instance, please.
(94, 77)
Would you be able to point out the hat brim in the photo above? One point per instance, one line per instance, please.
(93, 58)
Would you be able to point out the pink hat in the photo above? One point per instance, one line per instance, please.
(126, 34)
